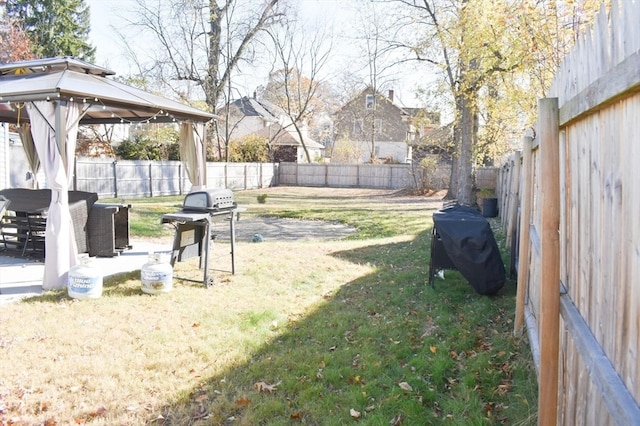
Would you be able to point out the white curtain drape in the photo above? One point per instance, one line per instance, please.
(193, 154)
(54, 126)
(30, 151)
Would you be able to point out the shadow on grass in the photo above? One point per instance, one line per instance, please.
(384, 349)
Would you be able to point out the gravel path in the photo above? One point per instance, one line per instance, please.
(272, 228)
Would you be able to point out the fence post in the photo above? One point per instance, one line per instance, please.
(512, 209)
(150, 179)
(525, 223)
(549, 262)
(115, 179)
(326, 174)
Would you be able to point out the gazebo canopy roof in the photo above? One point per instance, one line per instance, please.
(66, 78)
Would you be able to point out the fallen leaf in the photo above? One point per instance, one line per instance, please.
(355, 414)
(100, 411)
(265, 387)
(243, 402)
(397, 420)
(405, 386)
(433, 349)
(296, 416)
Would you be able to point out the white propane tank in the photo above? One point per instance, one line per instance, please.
(157, 274)
(85, 280)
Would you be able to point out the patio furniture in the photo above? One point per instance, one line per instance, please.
(108, 229)
(28, 205)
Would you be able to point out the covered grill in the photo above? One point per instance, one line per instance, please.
(463, 240)
(193, 225)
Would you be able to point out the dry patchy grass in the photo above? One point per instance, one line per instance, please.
(118, 359)
(303, 333)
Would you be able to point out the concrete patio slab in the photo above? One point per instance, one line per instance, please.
(20, 277)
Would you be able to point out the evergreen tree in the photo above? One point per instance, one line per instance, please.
(55, 27)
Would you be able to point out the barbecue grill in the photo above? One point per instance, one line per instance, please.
(193, 225)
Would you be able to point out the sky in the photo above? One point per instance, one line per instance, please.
(106, 21)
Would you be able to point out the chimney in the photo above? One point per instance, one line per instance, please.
(391, 95)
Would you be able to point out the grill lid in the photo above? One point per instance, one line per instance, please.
(208, 200)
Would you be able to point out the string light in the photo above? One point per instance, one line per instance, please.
(98, 103)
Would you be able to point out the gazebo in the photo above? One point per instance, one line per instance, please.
(48, 99)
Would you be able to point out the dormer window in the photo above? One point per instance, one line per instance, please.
(370, 102)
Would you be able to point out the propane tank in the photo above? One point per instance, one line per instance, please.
(85, 280)
(157, 274)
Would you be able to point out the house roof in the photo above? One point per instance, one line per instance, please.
(422, 113)
(108, 101)
(281, 136)
(252, 107)
(438, 136)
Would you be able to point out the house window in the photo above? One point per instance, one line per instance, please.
(357, 126)
(378, 124)
(370, 102)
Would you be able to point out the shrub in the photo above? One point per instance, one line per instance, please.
(249, 149)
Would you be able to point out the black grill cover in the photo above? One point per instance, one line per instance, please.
(469, 242)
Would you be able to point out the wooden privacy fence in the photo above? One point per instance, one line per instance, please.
(388, 176)
(574, 189)
(122, 179)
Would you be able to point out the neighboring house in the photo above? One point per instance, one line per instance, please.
(438, 142)
(247, 115)
(371, 128)
(285, 144)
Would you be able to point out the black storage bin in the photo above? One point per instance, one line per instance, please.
(490, 207)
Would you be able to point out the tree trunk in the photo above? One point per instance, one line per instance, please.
(452, 193)
(467, 122)
(464, 135)
(302, 142)
(211, 83)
